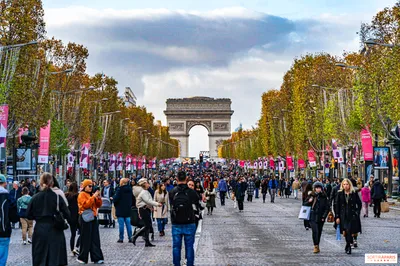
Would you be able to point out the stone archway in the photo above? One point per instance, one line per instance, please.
(213, 114)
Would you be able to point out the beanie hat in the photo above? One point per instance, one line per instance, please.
(2, 179)
(142, 181)
(86, 183)
(318, 184)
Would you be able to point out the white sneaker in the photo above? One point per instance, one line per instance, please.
(24, 242)
(99, 262)
(81, 261)
(29, 241)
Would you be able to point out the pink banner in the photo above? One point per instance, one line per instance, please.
(271, 163)
(301, 163)
(289, 162)
(3, 125)
(84, 163)
(366, 142)
(44, 144)
(311, 158)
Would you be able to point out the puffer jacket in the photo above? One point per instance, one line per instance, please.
(23, 202)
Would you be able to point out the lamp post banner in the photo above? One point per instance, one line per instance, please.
(289, 162)
(84, 163)
(113, 160)
(3, 125)
(366, 142)
(119, 161)
(311, 158)
(44, 144)
(301, 163)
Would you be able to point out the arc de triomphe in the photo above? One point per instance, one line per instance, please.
(213, 114)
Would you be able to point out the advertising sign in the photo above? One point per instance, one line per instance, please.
(381, 157)
(311, 158)
(3, 125)
(44, 143)
(366, 142)
(84, 163)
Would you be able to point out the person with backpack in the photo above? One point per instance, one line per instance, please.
(183, 201)
(5, 230)
(145, 204)
(273, 184)
(22, 206)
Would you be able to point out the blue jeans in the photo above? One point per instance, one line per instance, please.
(127, 222)
(257, 193)
(161, 222)
(187, 231)
(4, 244)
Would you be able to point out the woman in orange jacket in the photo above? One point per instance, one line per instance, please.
(88, 203)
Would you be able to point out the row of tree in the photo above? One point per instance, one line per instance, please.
(324, 97)
(47, 80)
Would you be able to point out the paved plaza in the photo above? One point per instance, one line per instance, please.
(264, 234)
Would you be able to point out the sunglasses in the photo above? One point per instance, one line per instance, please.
(90, 186)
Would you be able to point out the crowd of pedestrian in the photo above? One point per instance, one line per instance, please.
(44, 211)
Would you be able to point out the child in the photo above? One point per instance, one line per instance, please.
(366, 198)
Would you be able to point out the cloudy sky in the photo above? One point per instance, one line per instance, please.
(226, 48)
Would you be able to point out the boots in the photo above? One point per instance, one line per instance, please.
(316, 249)
(137, 234)
(348, 249)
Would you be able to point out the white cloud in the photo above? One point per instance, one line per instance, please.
(231, 53)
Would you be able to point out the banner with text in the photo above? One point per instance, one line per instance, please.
(3, 125)
(366, 142)
(44, 143)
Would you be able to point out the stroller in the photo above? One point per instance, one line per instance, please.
(105, 217)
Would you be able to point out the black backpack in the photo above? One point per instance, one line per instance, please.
(182, 210)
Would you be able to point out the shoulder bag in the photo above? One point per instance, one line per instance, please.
(59, 220)
(87, 215)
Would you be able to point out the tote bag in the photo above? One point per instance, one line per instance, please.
(305, 212)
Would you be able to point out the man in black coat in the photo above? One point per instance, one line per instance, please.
(377, 195)
(123, 204)
(15, 194)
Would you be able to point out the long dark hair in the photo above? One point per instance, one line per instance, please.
(72, 190)
(306, 190)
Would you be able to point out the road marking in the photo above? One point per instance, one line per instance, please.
(198, 233)
(335, 243)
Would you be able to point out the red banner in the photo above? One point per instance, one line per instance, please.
(301, 163)
(289, 162)
(3, 125)
(311, 158)
(44, 143)
(271, 163)
(366, 142)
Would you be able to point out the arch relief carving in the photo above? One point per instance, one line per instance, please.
(190, 124)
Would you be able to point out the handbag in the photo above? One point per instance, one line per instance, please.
(135, 219)
(87, 215)
(305, 212)
(330, 217)
(59, 220)
(384, 206)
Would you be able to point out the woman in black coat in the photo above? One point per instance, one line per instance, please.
(318, 201)
(347, 213)
(264, 188)
(72, 198)
(48, 243)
